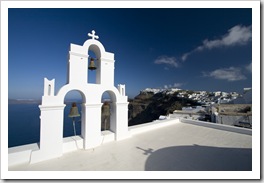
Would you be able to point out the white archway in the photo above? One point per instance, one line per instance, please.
(112, 103)
(78, 97)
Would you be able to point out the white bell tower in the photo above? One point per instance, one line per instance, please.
(52, 106)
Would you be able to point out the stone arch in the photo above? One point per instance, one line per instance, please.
(95, 46)
(80, 108)
(92, 74)
(105, 62)
(98, 49)
(67, 88)
(111, 93)
(113, 116)
(78, 90)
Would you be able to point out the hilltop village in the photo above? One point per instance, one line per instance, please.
(229, 108)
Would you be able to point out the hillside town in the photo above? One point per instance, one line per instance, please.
(228, 108)
(205, 97)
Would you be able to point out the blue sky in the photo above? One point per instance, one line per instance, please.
(196, 49)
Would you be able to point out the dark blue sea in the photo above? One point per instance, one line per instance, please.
(24, 124)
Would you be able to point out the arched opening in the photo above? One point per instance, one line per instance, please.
(72, 123)
(92, 73)
(108, 111)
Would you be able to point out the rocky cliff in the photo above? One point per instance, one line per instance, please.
(148, 106)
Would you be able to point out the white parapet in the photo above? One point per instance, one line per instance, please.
(133, 130)
(21, 154)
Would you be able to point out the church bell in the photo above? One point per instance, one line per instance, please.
(74, 111)
(92, 64)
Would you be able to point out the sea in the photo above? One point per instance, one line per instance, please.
(24, 124)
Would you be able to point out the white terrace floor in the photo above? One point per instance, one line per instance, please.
(178, 146)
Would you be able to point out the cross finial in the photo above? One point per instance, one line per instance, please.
(93, 35)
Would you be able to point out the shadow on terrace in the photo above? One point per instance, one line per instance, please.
(198, 158)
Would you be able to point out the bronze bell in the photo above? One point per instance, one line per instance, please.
(92, 64)
(74, 111)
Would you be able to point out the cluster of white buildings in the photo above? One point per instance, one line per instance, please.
(203, 97)
(218, 107)
(151, 90)
(218, 97)
(157, 90)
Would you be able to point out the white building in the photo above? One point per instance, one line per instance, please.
(218, 93)
(52, 144)
(152, 90)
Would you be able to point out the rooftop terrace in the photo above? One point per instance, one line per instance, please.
(169, 145)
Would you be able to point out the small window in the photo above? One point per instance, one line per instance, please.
(49, 90)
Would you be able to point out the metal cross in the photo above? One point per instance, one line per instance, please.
(93, 35)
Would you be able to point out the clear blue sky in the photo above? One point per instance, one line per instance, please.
(195, 49)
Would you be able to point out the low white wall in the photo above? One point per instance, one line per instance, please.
(72, 143)
(218, 126)
(186, 116)
(232, 120)
(151, 126)
(21, 154)
(108, 136)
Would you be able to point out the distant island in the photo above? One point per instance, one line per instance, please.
(24, 101)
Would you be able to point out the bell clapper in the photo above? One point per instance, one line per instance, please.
(73, 122)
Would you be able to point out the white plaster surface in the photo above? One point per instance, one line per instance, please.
(178, 146)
